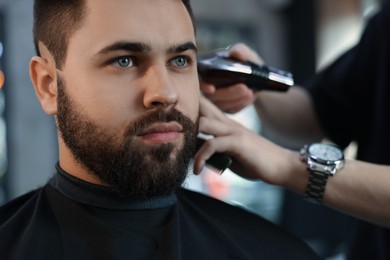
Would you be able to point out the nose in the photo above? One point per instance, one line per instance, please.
(160, 89)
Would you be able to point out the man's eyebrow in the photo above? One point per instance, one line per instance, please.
(183, 47)
(126, 46)
(142, 47)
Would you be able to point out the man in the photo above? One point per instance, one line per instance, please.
(349, 101)
(120, 79)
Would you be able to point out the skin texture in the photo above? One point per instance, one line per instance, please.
(122, 68)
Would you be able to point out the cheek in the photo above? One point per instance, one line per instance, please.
(106, 101)
(190, 97)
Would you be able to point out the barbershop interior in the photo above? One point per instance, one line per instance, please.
(299, 36)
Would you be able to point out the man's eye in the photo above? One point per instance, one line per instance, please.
(125, 62)
(181, 61)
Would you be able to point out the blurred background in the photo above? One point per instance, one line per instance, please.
(301, 36)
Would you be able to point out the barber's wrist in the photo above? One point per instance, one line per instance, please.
(296, 174)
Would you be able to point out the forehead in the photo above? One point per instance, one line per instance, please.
(155, 22)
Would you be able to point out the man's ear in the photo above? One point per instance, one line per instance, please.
(44, 78)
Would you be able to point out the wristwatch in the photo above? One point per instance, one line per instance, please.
(323, 161)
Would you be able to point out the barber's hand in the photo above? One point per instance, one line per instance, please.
(254, 157)
(236, 97)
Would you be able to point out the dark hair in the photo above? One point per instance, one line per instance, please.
(54, 23)
(56, 20)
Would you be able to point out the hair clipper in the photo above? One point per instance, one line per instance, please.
(218, 69)
(218, 162)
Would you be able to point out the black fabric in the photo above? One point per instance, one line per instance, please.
(352, 100)
(100, 196)
(72, 219)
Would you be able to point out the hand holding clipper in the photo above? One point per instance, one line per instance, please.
(218, 69)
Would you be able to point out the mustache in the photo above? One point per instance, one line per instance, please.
(159, 115)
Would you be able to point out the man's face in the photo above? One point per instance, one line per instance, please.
(128, 95)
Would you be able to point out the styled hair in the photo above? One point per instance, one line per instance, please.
(56, 20)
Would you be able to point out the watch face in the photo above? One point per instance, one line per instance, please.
(325, 152)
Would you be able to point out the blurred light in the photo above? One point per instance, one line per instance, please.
(1, 72)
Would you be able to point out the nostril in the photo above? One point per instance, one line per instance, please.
(157, 104)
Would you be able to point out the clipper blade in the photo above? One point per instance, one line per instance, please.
(218, 162)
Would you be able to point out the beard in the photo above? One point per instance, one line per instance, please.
(133, 170)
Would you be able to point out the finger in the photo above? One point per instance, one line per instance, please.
(242, 52)
(208, 109)
(232, 92)
(207, 88)
(232, 99)
(216, 145)
(234, 106)
(211, 126)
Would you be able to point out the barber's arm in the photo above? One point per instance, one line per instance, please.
(284, 115)
(359, 189)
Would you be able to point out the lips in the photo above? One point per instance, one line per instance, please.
(160, 133)
(162, 128)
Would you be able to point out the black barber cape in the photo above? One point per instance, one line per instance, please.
(71, 219)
